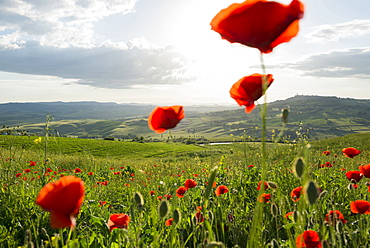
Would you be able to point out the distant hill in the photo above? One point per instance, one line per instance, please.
(315, 116)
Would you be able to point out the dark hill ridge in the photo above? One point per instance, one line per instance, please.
(318, 116)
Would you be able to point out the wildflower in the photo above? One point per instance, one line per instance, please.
(152, 192)
(334, 216)
(222, 189)
(264, 197)
(169, 222)
(259, 185)
(296, 193)
(49, 170)
(354, 175)
(259, 23)
(102, 203)
(327, 153)
(289, 215)
(37, 141)
(90, 173)
(249, 89)
(190, 183)
(78, 170)
(250, 166)
(168, 197)
(27, 170)
(163, 118)
(365, 170)
(118, 221)
(63, 199)
(32, 163)
(180, 192)
(350, 152)
(18, 175)
(326, 164)
(360, 207)
(198, 215)
(308, 239)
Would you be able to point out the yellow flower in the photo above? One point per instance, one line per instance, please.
(37, 141)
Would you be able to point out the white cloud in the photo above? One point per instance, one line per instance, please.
(336, 32)
(347, 63)
(62, 23)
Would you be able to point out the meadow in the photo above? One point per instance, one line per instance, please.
(142, 181)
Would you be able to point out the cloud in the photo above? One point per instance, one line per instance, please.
(61, 23)
(348, 63)
(336, 32)
(109, 65)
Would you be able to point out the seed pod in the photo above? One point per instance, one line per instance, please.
(284, 115)
(138, 198)
(299, 167)
(176, 216)
(272, 185)
(312, 193)
(163, 208)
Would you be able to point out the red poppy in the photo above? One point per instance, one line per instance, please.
(289, 215)
(168, 197)
(296, 193)
(180, 192)
(326, 164)
(90, 173)
(308, 239)
(27, 170)
(163, 118)
(190, 183)
(222, 189)
(334, 216)
(360, 207)
(354, 175)
(264, 197)
(63, 199)
(78, 170)
(169, 222)
(152, 192)
(259, 23)
(118, 221)
(32, 163)
(259, 185)
(365, 170)
(249, 89)
(350, 152)
(199, 215)
(327, 153)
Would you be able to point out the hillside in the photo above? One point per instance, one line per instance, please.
(315, 116)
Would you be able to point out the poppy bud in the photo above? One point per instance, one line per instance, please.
(272, 185)
(299, 167)
(138, 198)
(163, 209)
(312, 192)
(323, 194)
(211, 216)
(284, 115)
(274, 210)
(296, 216)
(176, 216)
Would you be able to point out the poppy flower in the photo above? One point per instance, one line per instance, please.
(90, 173)
(32, 163)
(169, 222)
(190, 183)
(27, 170)
(365, 170)
(296, 193)
(327, 153)
(289, 215)
(249, 89)
(259, 185)
(350, 152)
(222, 189)
(264, 197)
(63, 199)
(118, 221)
(360, 207)
(354, 175)
(308, 239)
(163, 118)
(180, 192)
(259, 23)
(334, 216)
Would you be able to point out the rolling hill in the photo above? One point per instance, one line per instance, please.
(316, 117)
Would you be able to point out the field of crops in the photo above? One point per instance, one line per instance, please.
(170, 193)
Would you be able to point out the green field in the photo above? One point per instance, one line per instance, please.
(130, 167)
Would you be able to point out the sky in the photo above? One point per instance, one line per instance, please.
(163, 52)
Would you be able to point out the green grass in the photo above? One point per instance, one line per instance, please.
(163, 167)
